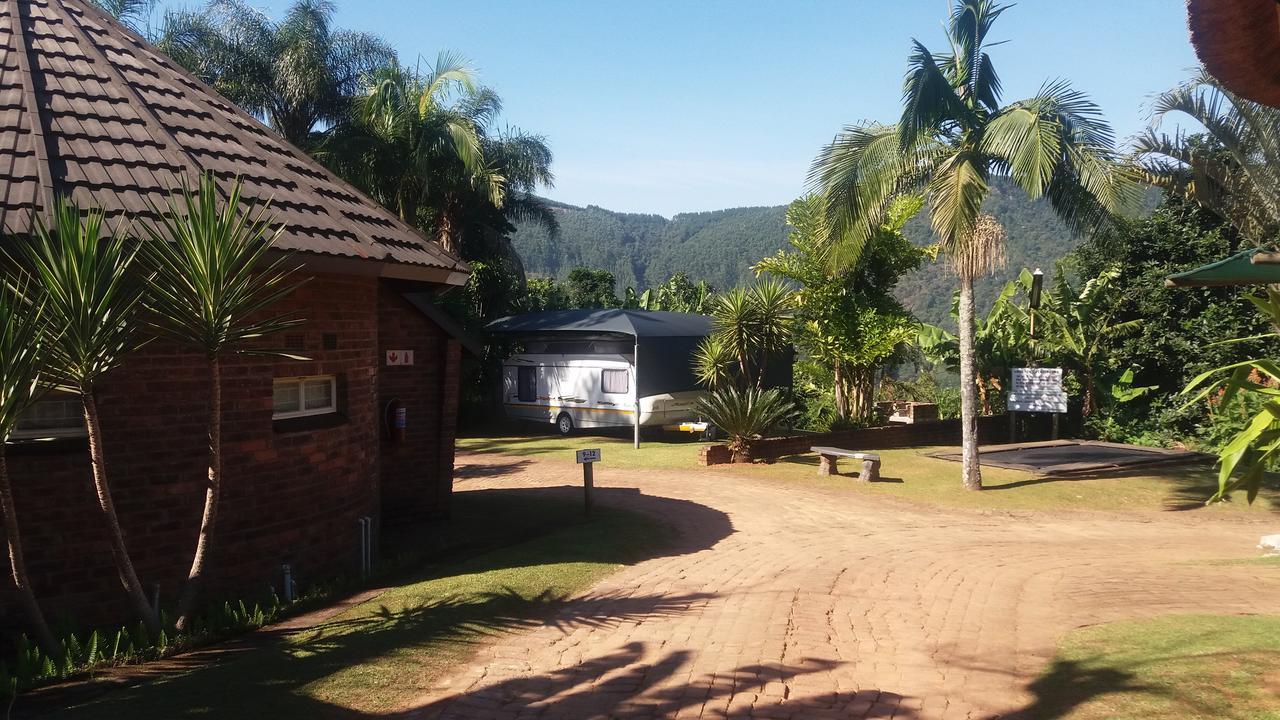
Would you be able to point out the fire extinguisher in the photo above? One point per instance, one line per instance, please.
(396, 419)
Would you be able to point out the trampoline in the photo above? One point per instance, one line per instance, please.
(1067, 458)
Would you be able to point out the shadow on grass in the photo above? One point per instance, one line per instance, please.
(1195, 487)
(547, 543)
(633, 682)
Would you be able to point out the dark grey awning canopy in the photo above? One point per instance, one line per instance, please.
(636, 323)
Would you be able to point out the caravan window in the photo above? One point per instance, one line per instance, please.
(527, 384)
(615, 382)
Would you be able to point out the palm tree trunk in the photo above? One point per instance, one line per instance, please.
(18, 564)
(971, 472)
(186, 602)
(119, 552)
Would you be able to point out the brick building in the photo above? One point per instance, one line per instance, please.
(88, 110)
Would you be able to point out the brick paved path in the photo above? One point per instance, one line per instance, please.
(818, 604)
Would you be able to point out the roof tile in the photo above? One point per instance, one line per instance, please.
(125, 126)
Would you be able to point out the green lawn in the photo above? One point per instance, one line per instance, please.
(908, 475)
(1170, 668)
(380, 655)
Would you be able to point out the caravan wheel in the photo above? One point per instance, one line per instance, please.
(564, 424)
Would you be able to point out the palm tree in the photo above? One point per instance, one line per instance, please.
(133, 14)
(295, 73)
(82, 275)
(1233, 168)
(953, 136)
(211, 290)
(422, 145)
(406, 132)
(21, 356)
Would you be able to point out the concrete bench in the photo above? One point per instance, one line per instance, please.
(828, 456)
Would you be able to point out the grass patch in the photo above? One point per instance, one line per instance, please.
(908, 475)
(1174, 667)
(379, 655)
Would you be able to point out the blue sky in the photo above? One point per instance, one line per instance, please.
(665, 107)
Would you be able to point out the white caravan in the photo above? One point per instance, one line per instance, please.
(588, 390)
(603, 368)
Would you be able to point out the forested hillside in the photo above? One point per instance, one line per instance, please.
(721, 246)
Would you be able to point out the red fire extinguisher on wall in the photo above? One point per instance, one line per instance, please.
(396, 420)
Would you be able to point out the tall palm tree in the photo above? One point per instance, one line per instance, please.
(1233, 168)
(21, 356)
(953, 136)
(422, 144)
(409, 129)
(211, 290)
(294, 73)
(83, 278)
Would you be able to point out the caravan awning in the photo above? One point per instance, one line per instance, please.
(636, 323)
(1249, 267)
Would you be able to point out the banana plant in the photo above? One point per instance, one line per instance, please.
(1244, 461)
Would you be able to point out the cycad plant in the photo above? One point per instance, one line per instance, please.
(21, 355)
(745, 415)
(953, 136)
(212, 291)
(83, 278)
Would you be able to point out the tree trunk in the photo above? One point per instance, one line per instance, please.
(18, 564)
(841, 391)
(195, 576)
(971, 472)
(983, 401)
(1089, 394)
(860, 389)
(119, 552)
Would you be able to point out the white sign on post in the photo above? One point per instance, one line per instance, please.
(399, 357)
(588, 456)
(1037, 390)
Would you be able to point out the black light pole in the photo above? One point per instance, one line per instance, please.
(1033, 304)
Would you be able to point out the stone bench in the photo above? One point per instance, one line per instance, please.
(828, 456)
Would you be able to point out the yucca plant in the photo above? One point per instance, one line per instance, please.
(745, 415)
(212, 291)
(713, 363)
(21, 334)
(83, 279)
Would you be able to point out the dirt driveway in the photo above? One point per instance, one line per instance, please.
(818, 604)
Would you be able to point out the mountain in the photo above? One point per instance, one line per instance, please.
(720, 247)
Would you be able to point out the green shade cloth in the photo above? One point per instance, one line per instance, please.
(1248, 267)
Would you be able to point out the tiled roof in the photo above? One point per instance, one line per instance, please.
(91, 111)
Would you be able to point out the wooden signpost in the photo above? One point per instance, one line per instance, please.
(586, 458)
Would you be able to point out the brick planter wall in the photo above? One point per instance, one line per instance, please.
(292, 491)
(991, 429)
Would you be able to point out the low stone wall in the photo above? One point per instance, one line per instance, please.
(991, 429)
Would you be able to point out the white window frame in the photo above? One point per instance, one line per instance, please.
(66, 431)
(302, 411)
(625, 374)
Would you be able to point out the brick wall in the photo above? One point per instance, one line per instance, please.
(991, 429)
(290, 494)
(417, 472)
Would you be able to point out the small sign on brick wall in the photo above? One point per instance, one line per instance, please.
(399, 357)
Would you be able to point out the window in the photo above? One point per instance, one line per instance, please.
(57, 414)
(615, 382)
(303, 396)
(526, 384)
